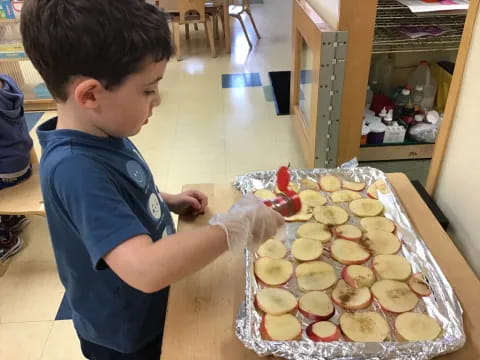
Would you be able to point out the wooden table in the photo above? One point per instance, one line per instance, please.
(202, 307)
(170, 6)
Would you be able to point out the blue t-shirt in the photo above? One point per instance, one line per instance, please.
(98, 193)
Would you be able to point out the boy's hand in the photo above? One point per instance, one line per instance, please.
(190, 203)
(248, 223)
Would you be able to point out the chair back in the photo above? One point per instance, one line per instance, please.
(245, 4)
(191, 11)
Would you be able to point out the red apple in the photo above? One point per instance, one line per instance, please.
(394, 296)
(349, 252)
(358, 276)
(419, 285)
(348, 232)
(273, 272)
(275, 301)
(280, 327)
(350, 298)
(323, 331)
(316, 305)
(355, 186)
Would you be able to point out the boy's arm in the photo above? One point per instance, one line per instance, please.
(150, 266)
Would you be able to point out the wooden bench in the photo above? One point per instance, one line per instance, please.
(26, 197)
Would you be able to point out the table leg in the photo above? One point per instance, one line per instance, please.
(226, 27)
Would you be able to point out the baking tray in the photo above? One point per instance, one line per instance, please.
(443, 305)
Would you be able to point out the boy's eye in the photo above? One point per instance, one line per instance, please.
(149, 92)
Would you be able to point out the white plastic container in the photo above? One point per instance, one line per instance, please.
(422, 76)
(394, 134)
(381, 74)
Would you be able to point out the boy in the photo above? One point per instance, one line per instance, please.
(102, 61)
(15, 146)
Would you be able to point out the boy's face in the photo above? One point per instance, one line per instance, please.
(125, 109)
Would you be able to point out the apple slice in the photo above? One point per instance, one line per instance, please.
(345, 196)
(280, 327)
(272, 248)
(315, 275)
(348, 232)
(349, 252)
(372, 191)
(291, 186)
(358, 276)
(323, 331)
(391, 267)
(378, 223)
(381, 186)
(351, 298)
(312, 198)
(367, 326)
(380, 242)
(306, 249)
(275, 301)
(394, 296)
(330, 183)
(417, 327)
(366, 207)
(305, 214)
(419, 285)
(273, 272)
(330, 215)
(307, 184)
(351, 185)
(314, 231)
(316, 305)
(265, 194)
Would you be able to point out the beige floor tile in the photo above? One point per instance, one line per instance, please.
(31, 291)
(37, 244)
(62, 343)
(23, 341)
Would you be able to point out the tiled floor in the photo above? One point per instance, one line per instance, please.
(215, 122)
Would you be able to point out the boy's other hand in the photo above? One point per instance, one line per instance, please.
(248, 223)
(188, 203)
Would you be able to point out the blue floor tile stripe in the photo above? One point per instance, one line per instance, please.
(241, 80)
(64, 311)
(32, 118)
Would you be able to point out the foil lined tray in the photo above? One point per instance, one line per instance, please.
(442, 304)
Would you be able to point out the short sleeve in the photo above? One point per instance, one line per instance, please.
(93, 203)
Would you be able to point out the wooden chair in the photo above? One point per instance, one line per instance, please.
(237, 9)
(192, 12)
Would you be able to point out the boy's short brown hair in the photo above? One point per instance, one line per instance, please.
(103, 39)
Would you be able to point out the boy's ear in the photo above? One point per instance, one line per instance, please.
(87, 92)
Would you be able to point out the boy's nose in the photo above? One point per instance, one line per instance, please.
(157, 100)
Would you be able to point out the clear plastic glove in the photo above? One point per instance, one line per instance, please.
(248, 223)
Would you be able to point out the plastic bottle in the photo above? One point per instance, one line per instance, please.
(422, 76)
(400, 103)
(376, 134)
(419, 118)
(383, 114)
(418, 99)
(408, 117)
(368, 102)
(381, 75)
(388, 120)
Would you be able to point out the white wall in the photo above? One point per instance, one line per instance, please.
(328, 9)
(458, 193)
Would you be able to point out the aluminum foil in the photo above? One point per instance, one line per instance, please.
(442, 304)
